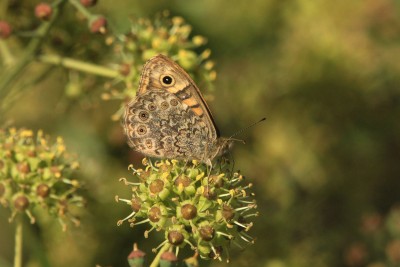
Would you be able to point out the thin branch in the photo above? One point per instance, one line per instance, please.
(156, 260)
(74, 64)
(18, 242)
(11, 74)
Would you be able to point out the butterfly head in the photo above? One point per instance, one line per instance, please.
(219, 147)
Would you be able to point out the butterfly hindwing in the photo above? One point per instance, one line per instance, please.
(159, 125)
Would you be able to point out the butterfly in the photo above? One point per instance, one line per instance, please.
(169, 117)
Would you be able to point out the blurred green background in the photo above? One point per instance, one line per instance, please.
(325, 165)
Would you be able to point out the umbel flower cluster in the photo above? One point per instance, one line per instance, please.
(170, 36)
(192, 206)
(35, 173)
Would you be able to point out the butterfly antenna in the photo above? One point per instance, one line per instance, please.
(244, 129)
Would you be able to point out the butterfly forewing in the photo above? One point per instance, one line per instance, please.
(154, 77)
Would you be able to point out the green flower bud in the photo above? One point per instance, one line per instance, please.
(136, 257)
(207, 232)
(21, 202)
(43, 190)
(175, 237)
(168, 258)
(189, 211)
(136, 203)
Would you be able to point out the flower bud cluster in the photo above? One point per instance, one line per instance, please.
(36, 173)
(193, 206)
(376, 228)
(147, 38)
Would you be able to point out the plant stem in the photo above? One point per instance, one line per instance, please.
(81, 9)
(18, 243)
(6, 53)
(78, 65)
(156, 260)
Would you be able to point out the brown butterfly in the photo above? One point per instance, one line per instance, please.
(169, 117)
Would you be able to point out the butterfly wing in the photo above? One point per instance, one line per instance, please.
(158, 125)
(161, 73)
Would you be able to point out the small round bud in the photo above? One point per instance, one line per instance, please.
(125, 69)
(228, 212)
(189, 211)
(199, 40)
(183, 180)
(154, 214)
(207, 233)
(136, 204)
(175, 238)
(5, 29)
(23, 167)
(98, 25)
(21, 203)
(43, 190)
(169, 256)
(165, 168)
(156, 186)
(54, 169)
(88, 3)
(136, 257)
(43, 11)
(136, 253)
(31, 153)
(187, 59)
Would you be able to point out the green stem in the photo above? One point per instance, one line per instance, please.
(6, 53)
(81, 9)
(78, 65)
(156, 260)
(31, 50)
(18, 243)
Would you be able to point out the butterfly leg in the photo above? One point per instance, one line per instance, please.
(184, 168)
(209, 169)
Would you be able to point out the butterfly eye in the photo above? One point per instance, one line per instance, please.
(167, 80)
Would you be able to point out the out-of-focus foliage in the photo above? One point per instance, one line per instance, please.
(325, 74)
(35, 174)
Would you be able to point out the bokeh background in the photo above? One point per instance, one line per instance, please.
(325, 164)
